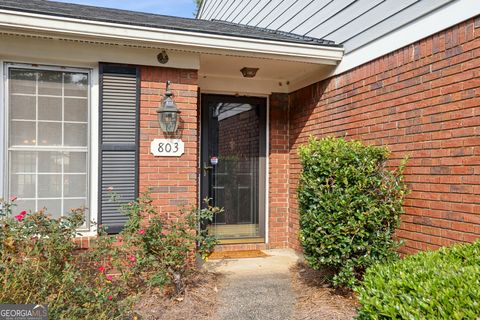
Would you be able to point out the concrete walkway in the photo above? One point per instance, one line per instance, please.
(256, 288)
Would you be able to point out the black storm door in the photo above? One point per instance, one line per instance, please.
(233, 165)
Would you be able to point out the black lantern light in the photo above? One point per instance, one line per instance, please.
(168, 113)
(248, 72)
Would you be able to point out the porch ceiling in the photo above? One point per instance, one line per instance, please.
(221, 73)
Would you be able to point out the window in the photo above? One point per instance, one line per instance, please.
(48, 111)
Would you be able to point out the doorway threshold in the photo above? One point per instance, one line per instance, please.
(241, 241)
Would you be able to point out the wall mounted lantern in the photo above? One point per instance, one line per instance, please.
(168, 113)
(249, 72)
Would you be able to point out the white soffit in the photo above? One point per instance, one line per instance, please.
(27, 48)
(222, 73)
(212, 43)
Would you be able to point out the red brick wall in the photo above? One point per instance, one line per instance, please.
(173, 181)
(278, 171)
(422, 101)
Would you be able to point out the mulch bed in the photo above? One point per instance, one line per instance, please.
(316, 299)
(198, 302)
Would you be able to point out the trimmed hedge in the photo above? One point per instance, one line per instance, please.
(350, 205)
(443, 284)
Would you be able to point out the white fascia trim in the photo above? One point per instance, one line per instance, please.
(438, 20)
(120, 32)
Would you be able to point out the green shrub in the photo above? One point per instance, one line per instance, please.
(162, 249)
(39, 262)
(350, 205)
(443, 284)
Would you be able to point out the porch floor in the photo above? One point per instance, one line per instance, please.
(256, 288)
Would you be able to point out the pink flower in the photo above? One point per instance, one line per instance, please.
(110, 298)
(110, 188)
(101, 269)
(132, 258)
(20, 216)
(13, 198)
(141, 231)
(109, 278)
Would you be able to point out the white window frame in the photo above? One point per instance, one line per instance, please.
(92, 157)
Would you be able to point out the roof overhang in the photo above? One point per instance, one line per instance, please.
(203, 42)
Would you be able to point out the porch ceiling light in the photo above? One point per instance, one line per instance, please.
(249, 72)
(168, 113)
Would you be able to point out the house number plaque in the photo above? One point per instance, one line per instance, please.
(167, 147)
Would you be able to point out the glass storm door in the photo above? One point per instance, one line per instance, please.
(233, 165)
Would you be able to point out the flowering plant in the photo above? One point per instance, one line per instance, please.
(40, 262)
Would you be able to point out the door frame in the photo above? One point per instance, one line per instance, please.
(264, 159)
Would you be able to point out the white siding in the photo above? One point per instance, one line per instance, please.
(352, 23)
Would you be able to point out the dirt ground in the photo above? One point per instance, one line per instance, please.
(317, 300)
(198, 302)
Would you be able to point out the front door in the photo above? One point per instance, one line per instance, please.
(233, 165)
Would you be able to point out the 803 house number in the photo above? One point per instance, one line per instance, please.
(167, 147)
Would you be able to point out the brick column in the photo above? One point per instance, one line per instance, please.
(173, 181)
(278, 171)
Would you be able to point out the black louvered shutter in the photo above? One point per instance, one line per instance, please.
(119, 135)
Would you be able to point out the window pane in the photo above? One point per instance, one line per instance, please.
(76, 109)
(44, 108)
(75, 185)
(72, 204)
(49, 134)
(49, 185)
(50, 108)
(75, 134)
(22, 107)
(23, 161)
(50, 83)
(22, 133)
(22, 185)
(21, 205)
(76, 84)
(75, 162)
(22, 81)
(52, 207)
(50, 161)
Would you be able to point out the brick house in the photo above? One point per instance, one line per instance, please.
(81, 87)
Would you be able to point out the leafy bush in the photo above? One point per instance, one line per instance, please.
(350, 205)
(443, 284)
(162, 250)
(39, 262)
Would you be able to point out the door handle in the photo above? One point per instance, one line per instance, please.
(206, 169)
